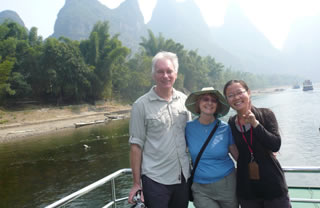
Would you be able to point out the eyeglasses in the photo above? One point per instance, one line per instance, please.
(207, 99)
(239, 93)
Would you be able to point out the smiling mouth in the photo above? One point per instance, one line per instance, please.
(237, 103)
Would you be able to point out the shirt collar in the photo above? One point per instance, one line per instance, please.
(154, 96)
(245, 127)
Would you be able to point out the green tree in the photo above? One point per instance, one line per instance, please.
(154, 44)
(8, 47)
(103, 53)
(33, 38)
(140, 80)
(14, 30)
(15, 45)
(195, 72)
(19, 84)
(64, 73)
(5, 69)
(215, 70)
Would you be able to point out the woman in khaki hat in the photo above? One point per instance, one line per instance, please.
(214, 181)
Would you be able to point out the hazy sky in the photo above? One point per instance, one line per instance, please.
(272, 17)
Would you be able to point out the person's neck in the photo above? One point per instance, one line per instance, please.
(164, 93)
(241, 112)
(240, 120)
(206, 119)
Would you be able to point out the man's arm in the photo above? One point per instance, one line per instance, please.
(137, 138)
(135, 163)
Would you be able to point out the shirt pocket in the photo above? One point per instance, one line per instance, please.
(156, 124)
(180, 118)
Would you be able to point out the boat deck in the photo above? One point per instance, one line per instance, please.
(301, 197)
(297, 194)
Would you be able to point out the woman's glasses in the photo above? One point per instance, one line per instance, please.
(207, 99)
(239, 93)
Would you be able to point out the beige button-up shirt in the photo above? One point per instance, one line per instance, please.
(158, 127)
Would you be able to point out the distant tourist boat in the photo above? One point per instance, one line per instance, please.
(307, 85)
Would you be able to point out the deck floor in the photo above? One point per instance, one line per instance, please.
(298, 193)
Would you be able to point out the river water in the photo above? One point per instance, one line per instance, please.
(40, 170)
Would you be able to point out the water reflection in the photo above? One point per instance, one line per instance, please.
(38, 171)
(298, 117)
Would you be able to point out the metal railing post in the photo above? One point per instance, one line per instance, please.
(113, 193)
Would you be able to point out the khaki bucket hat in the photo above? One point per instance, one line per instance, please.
(223, 106)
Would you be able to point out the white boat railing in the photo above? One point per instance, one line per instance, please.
(307, 169)
(303, 170)
(111, 178)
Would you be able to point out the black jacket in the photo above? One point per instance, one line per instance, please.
(266, 140)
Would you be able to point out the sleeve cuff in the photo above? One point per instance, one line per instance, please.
(135, 140)
(256, 124)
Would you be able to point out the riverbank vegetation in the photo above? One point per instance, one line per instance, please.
(64, 71)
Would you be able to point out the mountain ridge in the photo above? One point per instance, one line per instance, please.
(11, 15)
(237, 44)
(77, 17)
(245, 41)
(177, 19)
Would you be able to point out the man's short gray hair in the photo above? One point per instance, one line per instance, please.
(165, 55)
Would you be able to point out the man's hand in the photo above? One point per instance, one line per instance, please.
(133, 192)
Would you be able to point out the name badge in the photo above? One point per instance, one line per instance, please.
(253, 170)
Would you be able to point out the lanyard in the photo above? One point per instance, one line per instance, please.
(245, 139)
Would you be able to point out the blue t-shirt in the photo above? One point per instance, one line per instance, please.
(215, 162)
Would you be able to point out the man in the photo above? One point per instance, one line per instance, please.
(158, 156)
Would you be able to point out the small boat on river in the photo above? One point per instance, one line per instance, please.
(307, 85)
(300, 196)
(80, 124)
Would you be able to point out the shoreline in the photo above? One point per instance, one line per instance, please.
(270, 90)
(46, 120)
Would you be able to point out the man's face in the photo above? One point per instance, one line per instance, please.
(164, 74)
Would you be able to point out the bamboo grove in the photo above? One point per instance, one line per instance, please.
(64, 71)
